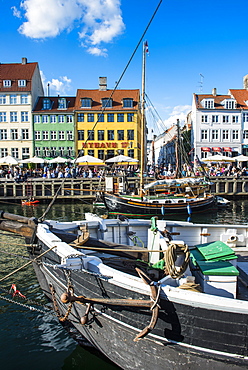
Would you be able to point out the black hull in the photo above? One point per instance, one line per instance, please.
(117, 204)
(185, 337)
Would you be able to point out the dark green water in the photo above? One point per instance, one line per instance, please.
(30, 340)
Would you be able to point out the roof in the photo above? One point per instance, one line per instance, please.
(70, 100)
(241, 96)
(15, 72)
(117, 97)
(217, 100)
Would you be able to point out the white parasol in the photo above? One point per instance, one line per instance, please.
(121, 158)
(88, 160)
(9, 160)
(33, 160)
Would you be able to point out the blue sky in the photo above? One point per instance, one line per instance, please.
(76, 41)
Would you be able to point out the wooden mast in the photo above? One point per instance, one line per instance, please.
(143, 122)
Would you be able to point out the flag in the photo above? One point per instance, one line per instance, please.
(146, 48)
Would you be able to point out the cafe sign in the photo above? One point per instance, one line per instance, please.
(110, 145)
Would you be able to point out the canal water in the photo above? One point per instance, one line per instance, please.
(32, 340)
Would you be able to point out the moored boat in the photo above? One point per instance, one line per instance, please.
(116, 282)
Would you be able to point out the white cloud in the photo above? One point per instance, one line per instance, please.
(16, 12)
(100, 20)
(178, 112)
(57, 86)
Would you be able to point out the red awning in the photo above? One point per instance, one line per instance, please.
(206, 149)
(227, 149)
(216, 149)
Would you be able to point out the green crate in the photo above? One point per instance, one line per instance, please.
(217, 268)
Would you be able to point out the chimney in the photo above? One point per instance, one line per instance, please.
(214, 91)
(102, 83)
(24, 60)
(245, 82)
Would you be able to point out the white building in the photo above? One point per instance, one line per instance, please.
(220, 122)
(20, 86)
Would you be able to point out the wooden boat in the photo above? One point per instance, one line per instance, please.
(28, 202)
(107, 279)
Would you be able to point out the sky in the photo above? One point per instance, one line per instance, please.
(194, 46)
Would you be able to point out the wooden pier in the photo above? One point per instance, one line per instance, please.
(45, 189)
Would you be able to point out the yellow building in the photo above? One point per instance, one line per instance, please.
(108, 122)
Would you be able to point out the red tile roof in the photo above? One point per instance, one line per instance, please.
(217, 100)
(15, 72)
(240, 95)
(70, 100)
(97, 95)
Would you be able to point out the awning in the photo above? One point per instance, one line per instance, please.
(226, 149)
(206, 149)
(216, 149)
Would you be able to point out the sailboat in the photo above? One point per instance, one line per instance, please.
(183, 195)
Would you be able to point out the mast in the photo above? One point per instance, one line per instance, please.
(178, 152)
(143, 121)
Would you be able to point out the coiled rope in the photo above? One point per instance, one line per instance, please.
(170, 257)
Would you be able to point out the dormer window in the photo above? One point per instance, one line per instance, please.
(230, 104)
(86, 103)
(62, 103)
(107, 103)
(7, 83)
(208, 103)
(127, 103)
(21, 83)
(46, 104)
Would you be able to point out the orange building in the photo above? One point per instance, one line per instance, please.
(108, 122)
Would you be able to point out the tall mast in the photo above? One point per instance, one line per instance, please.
(143, 121)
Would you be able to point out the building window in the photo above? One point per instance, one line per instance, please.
(2, 116)
(225, 135)
(245, 134)
(235, 134)
(3, 134)
(230, 104)
(36, 118)
(37, 135)
(120, 117)
(205, 119)
(91, 135)
(69, 118)
(14, 134)
(25, 153)
(130, 117)
(62, 103)
(91, 152)
(130, 134)
(110, 154)
(80, 117)
(53, 135)
(215, 119)
(21, 83)
(44, 119)
(69, 135)
(69, 151)
(24, 99)
(61, 135)
(46, 104)
(127, 103)
(25, 134)
(209, 104)
(53, 119)
(45, 151)
(204, 134)
(235, 119)
(24, 116)
(15, 152)
(80, 134)
(101, 154)
(45, 135)
(225, 119)
(61, 118)
(245, 117)
(120, 134)
(85, 103)
(3, 152)
(53, 150)
(110, 117)
(100, 117)
(107, 103)
(61, 150)
(2, 99)
(111, 135)
(7, 83)
(100, 135)
(13, 99)
(130, 153)
(90, 117)
(37, 151)
(13, 116)
(215, 134)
